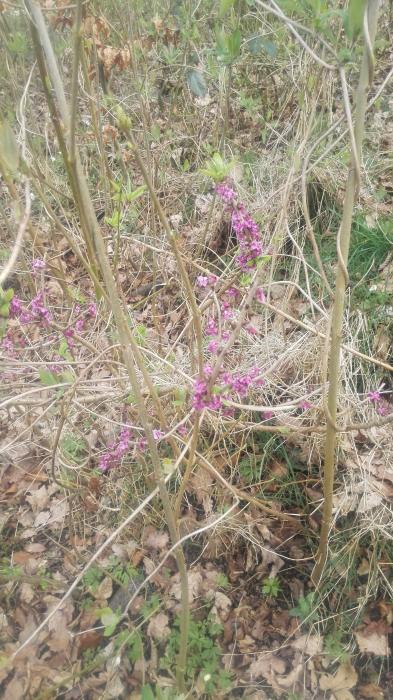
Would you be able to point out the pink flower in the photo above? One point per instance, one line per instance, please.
(202, 281)
(226, 313)
(39, 310)
(25, 317)
(38, 264)
(382, 410)
(226, 192)
(204, 398)
(211, 327)
(213, 346)
(105, 462)
(305, 405)
(157, 434)
(115, 451)
(374, 396)
(141, 444)
(79, 325)
(7, 344)
(260, 295)
(92, 310)
(15, 308)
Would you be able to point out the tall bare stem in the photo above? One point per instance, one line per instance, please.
(343, 241)
(130, 349)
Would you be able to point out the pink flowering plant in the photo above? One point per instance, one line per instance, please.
(227, 384)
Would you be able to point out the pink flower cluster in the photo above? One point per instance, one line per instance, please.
(246, 229)
(204, 281)
(112, 457)
(37, 312)
(226, 192)
(38, 264)
(382, 407)
(116, 450)
(228, 386)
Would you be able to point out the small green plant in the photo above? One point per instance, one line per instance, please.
(93, 578)
(125, 194)
(228, 46)
(6, 297)
(73, 447)
(131, 642)
(222, 581)
(17, 44)
(203, 659)
(335, 647)
(122, 572)
(148, 693)
(109, 619)
(249, 469)
(217, 169)
(271, 587)
(151, 605)
(306, 608)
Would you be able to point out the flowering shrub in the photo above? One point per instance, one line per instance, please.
(230, 385)
(216, 386)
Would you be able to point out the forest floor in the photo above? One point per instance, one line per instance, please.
(89, 584)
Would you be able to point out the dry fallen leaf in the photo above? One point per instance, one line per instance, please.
(345, 679)
(373, 643)
(157, 540)
(310, 644)
(273, 669)
(35, 547)
(58, 510)
(194, 584)
(39, 498)
(42, 518)
(26, 593)
(371, 691)
(263, 667)
(222, 602)
(158, 626)
(15, 690)
(104, 590)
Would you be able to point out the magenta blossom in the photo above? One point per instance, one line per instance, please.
(92, 310)
(25, 317)
(40, 311)
(202, 281)
(112, 457)
(305, 405)
(211, 327)
(226, 192)
(15, 308)
(260, 295)
(374, 396)
(141, 444)
(213, 346)
(38, 264)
